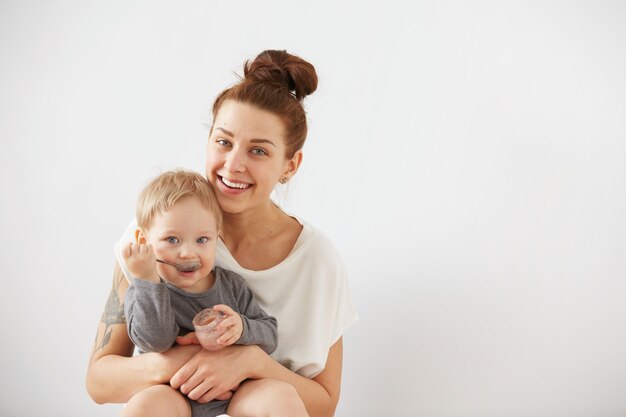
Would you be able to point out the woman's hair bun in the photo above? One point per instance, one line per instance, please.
(284, 70)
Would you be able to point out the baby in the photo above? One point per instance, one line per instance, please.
(173, 277)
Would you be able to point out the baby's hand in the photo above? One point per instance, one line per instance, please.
(141, 261)
(231, 326)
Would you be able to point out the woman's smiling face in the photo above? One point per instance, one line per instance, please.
(246, 156)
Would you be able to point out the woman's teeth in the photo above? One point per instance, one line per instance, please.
(232, 184)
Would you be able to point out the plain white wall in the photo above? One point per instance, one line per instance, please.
(467, 158)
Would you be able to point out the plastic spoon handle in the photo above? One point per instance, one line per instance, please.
(185, 267)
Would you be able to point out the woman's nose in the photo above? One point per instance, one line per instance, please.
(234, 161)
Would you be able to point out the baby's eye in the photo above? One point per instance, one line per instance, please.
(171, 239)
(258, 151)
(202, 239)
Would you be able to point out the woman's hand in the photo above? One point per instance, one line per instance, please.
(188, 339)
(192, 339)
(208, 375)
(166, 364)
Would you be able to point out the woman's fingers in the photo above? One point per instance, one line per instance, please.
(188, 339)
(195, 387)
(209, 374)
(183, 374)
(205, 391)
(212, 394)
(225, 396)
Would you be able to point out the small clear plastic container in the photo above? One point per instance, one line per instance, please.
(204, 323)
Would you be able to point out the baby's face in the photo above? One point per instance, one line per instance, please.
(187, 232)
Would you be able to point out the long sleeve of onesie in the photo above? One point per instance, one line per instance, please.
(150, 318)
(259, 328)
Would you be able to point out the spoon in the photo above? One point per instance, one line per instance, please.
(183, 266)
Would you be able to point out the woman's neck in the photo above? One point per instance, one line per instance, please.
(251, 226)
(260, 239)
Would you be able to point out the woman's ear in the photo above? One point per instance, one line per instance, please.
(140, 236)
(292, 165)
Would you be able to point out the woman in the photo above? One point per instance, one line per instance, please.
(259, 128)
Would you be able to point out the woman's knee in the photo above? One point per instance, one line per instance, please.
(288, 399)
(155, 401)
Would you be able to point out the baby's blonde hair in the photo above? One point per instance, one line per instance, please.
(170, 187)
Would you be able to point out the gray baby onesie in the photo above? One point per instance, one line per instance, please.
(157, 313)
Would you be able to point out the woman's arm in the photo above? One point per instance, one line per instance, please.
(114, 375)
(210, 373)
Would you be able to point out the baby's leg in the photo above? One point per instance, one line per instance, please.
(266, 398)
(157, 401)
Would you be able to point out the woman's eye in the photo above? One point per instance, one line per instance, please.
(222, 142)
(202, 239)
(171, 239)
(258, 151)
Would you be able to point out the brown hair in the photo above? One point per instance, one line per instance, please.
(170, 187)
(276, 81)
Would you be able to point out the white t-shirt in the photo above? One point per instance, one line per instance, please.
(308, 293)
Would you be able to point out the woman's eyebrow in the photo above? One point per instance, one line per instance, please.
(263, 141)
(228, 132)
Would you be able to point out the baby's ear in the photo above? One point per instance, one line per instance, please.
(140, 236)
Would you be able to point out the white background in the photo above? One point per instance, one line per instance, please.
(467, 158)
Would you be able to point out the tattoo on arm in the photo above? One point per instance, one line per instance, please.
(113, 311)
